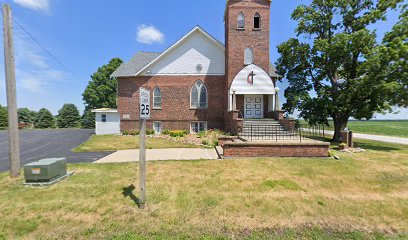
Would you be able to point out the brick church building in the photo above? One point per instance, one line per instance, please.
(199, 83)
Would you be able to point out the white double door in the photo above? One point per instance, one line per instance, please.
(253, 106)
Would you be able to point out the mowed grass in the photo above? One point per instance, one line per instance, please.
(362, 196)
(117, 142)
(387, 128)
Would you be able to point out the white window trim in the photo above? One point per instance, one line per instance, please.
(259, 16)
(161, 97)
(205, 126)
(106, 118)
(161, 127)
(239, 27)
(199, 96)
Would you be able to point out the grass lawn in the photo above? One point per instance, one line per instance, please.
(117, 142)
(388, 128)
(362, 196)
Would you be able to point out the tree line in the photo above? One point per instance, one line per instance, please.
(68, 117)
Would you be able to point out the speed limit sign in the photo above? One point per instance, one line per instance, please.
(144, 103)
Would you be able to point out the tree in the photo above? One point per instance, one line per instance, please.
(68, 117)
(25, 115)
(44, 119)
(100, 92)
(328, 72)
(3, 117)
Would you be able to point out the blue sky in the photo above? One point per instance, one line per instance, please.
(84, 35)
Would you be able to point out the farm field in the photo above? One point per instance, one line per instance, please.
(362, 196)
(397, 128)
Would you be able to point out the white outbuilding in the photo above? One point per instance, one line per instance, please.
(107, 121)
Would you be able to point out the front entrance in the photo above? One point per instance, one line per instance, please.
(253, 106)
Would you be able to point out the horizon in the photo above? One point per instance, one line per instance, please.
(81, 39)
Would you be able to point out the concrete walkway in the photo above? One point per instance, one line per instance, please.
(161, 155)
(380, 138)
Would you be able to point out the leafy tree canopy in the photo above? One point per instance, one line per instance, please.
(3, 117)
(68, 116)
(100, 92)
(44, 119)
(25, 115)
(330, 69)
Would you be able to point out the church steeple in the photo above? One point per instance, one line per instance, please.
(246, 35)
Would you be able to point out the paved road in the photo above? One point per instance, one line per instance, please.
(380, 138)
(38, 144)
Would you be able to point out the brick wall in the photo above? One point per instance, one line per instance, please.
(276, 150)
(237, 40)
(176, 112)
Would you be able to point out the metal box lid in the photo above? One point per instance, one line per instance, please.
(45, 162)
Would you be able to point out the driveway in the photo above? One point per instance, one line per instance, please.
(39, 144)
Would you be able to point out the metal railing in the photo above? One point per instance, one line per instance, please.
(277, 132)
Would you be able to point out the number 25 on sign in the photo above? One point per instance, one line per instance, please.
(144, 103)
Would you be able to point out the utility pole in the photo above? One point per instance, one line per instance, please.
(14, 145)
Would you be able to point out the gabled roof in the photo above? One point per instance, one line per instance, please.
(139, 61)
(142, 60)
(179, 42)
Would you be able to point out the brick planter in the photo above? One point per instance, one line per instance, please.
(276, 149)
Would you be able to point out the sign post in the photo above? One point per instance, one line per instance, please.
(144, 114)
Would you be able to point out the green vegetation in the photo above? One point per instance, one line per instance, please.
(361, 196)
(117, 142)
(3, 118)
(68, 117)
(44, 119)
(100, 92)
(335, 66)
(26, 116)
(384, 127)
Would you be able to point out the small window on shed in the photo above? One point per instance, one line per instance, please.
(103, 117)
(241, 21)
(257, 21)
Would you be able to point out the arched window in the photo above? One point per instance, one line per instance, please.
(157, 98)
(248, 56)
(257, 21)
(241, 21)
(199, 95)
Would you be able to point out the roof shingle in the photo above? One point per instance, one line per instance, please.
(140, 60)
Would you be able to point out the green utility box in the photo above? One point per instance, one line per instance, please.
(46, 170)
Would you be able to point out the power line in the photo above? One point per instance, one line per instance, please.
(44, 48)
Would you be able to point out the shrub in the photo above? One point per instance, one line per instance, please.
(201, 134)
(134, 132)
(205, 142)
(125, 133)
(215, 143)
(166, 132)
(177, 133)
(342, 146)
(149, 131)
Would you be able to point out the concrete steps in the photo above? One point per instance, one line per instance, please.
(266, 129)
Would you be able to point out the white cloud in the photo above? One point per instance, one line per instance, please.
(34, 72)
(149, 34)
(37, 5)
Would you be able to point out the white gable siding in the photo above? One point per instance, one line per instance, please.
(111, 126)
(183, 60)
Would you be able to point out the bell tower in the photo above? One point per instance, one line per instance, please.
(246, 35)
